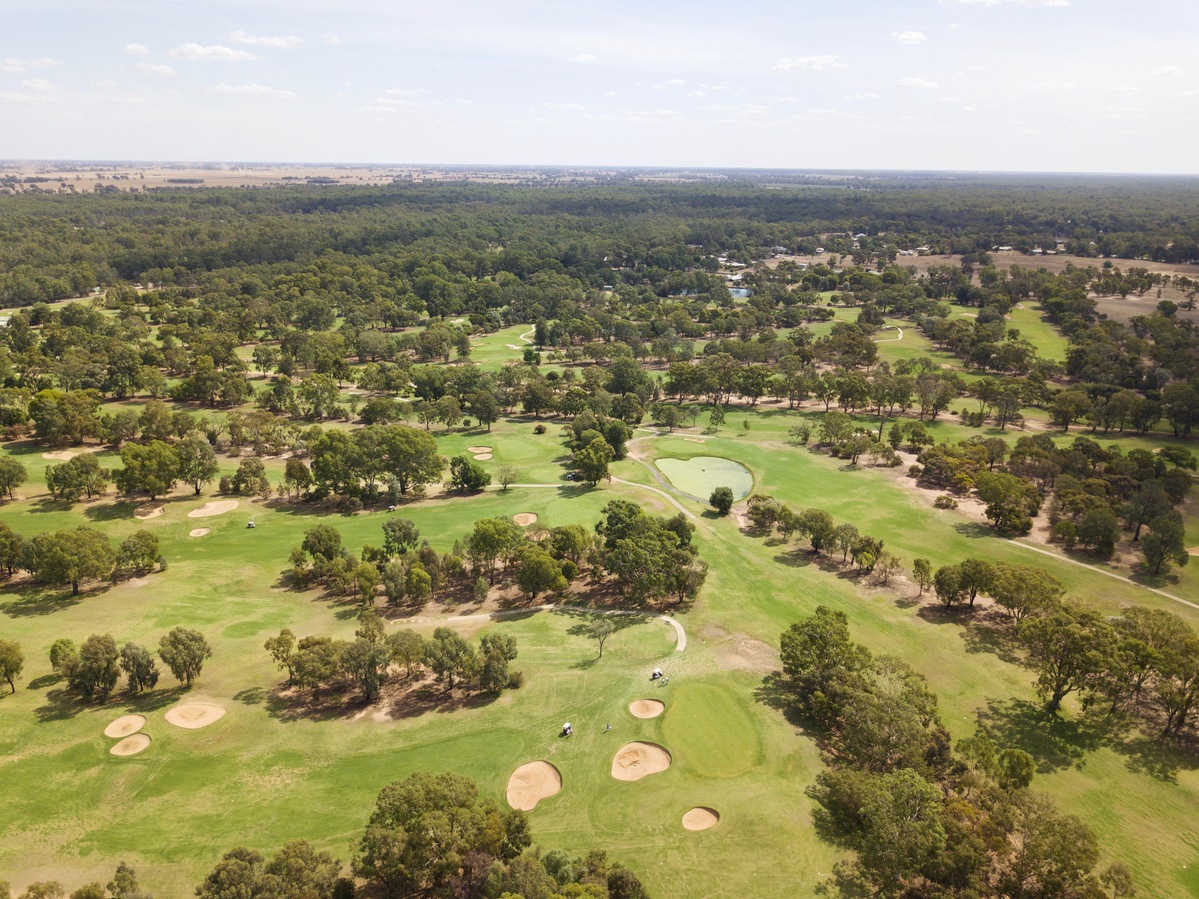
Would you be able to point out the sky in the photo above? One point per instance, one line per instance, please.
(978, 85)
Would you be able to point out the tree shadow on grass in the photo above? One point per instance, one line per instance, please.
(974, 529)
(121, 509)
(61, 705)
(400, 698)
(986, 634)
(1055, 743)
(35, 600)
(1160, 759)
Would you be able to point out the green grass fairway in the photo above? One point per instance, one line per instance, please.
(263, 774)
(700, 475)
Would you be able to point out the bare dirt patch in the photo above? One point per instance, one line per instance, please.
(482, 457)
(646, 708)
(199, 532)
(131, 745)
(634, 761)
(194, 715)
(524, 519)
(124, 726)
(217, 507)
(145, 513)
(701, 818)
(60, 456)
(532, 782)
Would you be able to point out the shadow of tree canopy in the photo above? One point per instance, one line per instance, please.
(38, 599)
(1054, 742)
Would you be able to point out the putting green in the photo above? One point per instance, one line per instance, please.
(700, 475)
(709, 729)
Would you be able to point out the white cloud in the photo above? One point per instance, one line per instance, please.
(673, 82)
(1124, 89)
(137, 49)
(37, 84)
(334, 40)
(279, 43)
(783, 99)
(215, 53)
(149, 68)
(862, 96)
(810, 63)
(919, 83)
(560, 106)
(1162, 71)
(252, 90)
(584, 57)
(14, 97)
(404, 92)
(13, 66)
(908, 37)
(609, 93)
(699, 94)
(1056, 86)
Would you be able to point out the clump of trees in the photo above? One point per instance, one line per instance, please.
(374, 657)
(75, 555)
(428, 835)
(93, 668)
(826, 538)
(124, 885)
(921, 816)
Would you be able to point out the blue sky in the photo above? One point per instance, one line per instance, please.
(1032, 85)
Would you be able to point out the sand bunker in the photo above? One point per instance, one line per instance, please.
(482, 457)
(193, 715)
(125, 725)
(637, 760)
(647, 708)
(532, 782)
(219, 507)
(701, 818)
(524, 519)
(199, 532)
(478, 449)
(131, 745)
(60, 456)
(145, 513)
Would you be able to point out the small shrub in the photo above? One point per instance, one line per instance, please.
(224, 485)
(914, 471)
(539, 429)
(945, 502)
(516, 680)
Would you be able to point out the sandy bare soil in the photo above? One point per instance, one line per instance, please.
(131, 745)
(217, 507)
(478, 449)
(125, 725)
(634, 761)
(145, 513)
(194, 715)
(532, 782)
(646, 708)
(524, 519)
(60, 456)
(199, 532)
(482, 457)
(701, 818)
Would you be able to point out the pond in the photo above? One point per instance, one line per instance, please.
(700, 475)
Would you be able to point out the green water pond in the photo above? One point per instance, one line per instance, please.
(700, 475)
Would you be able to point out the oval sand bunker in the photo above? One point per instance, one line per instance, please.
(125, 725)
(193, 715)
(524, 519)
(701, 818)
(482, 457)
(532, 782)
(637, 760)
(218, 507)
(478, 449)
(199, 532)
(647, 708)
(131, 745)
